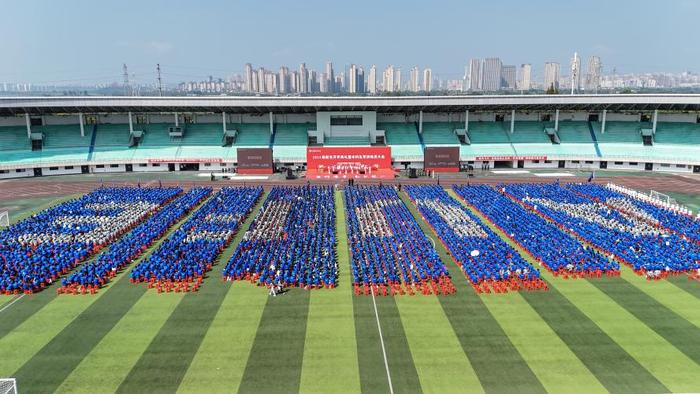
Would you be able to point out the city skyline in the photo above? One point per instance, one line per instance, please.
(80, 42)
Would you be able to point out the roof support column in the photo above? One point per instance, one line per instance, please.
(420, 122)
(512, 121)
(602, 127)
(82, 124)
(272, 123)
(466, 121)
(653, 125)
(29, 125)
(223, 120)
(177, 120)
(556, 120)
(131, 124)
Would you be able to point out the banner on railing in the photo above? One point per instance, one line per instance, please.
(188, 161)
(509, 158)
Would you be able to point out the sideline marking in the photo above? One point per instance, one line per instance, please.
(19, 298)
(381, 339)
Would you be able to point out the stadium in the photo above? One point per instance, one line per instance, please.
(529, 243)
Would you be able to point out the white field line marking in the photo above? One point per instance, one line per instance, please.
(10, 304)
(381, 339)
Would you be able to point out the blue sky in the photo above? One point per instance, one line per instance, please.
(84, 41)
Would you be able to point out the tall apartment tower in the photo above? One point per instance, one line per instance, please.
(303, 78)
(594, 72)
(397, 80)
(388, 81)
(525, 77)
(352, 79)
(508, 77)
(474, 76)
(551, 76)
(491, 80)
(283, 83)
(575, 73)
(414, 84)
(427, 80)
(248, 77)
(372, 80)
(331, 77)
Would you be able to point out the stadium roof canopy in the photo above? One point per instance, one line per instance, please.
(406, 104)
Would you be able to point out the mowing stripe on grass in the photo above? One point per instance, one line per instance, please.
(29, 337)
(166, 360)
(556, 366)
(497, 363)
(690, 286)
(669, 295)
(611, 365)
(330, 350)
(111, 360)
(404, 376)
(275, 360)
(9, 300)
(64, 352)
(669, 365)
(667, 324)
(369, 349)
(441, 364)
(220, 361)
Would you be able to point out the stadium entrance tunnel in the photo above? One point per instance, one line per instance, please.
(189, 166)
(503, 164)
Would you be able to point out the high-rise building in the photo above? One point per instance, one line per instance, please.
(388, 81)
(551, 76)
(323, 83)
(525, 78)
(248, 77)
(360, 80)
(372, 80)
(474, 76)
(491, 80)
(397, 80)
(414, 83)
(338, 84)
(303, 79)
(312, 86)
(283, 80)
(352, 79)
(508, 77)
(261, 80)
(595, 69)
(575, 73)
(427, 80)
(330, 76)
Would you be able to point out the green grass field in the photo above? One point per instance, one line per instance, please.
(620, 334)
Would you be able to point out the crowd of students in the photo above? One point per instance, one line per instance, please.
(181, 261)
(390, 254)
(685, 225)
(291, 243)
(559, 252)
(650, 250)
(487, 261)
(38, 250)
(94, 275)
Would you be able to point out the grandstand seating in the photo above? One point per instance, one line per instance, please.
(574, 132)
(528, 132)
(390, 254)
(403, 139)
(252, 134)
(346, 141)
(677, 133)
(291, 243)
(64, 136)
(38, 250)
(190, 251)
(291, 140)
(485, 259)
(14, 138)
(440, 133)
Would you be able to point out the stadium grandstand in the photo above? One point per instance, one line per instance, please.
(42, 136)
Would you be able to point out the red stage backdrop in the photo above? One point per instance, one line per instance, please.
(349, 162)
(254, 160)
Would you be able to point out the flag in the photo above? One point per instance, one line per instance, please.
(590, 178)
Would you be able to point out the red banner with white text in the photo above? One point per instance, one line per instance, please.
(349, 162)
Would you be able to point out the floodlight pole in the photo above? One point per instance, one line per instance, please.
(466, 121)
(131, 124)
(223, 119)
(653, 125)
(272, 125)
(556, 120)
(420, 122)
(177, 120)
(512, 121)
